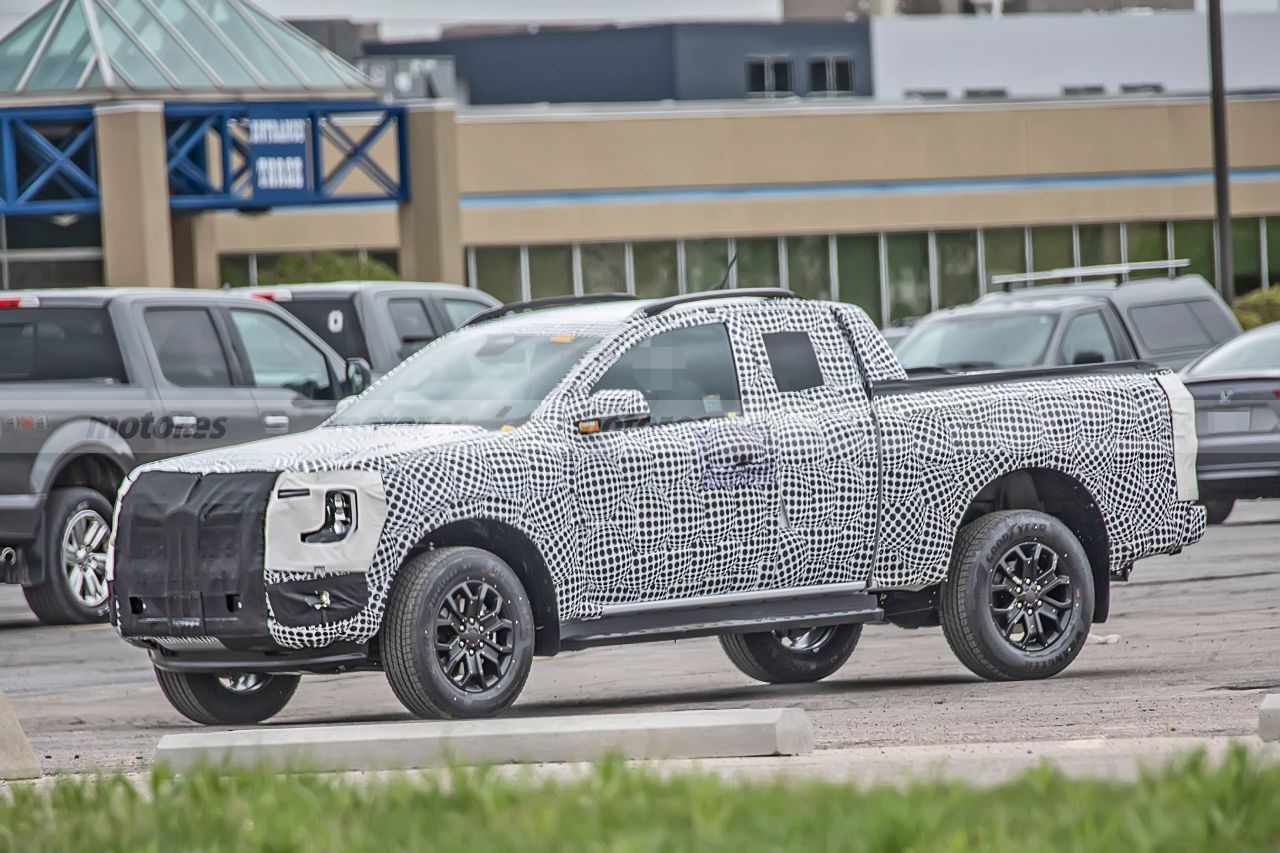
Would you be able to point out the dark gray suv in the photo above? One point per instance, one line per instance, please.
(1168, 321)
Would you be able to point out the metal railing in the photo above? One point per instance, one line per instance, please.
(1097, 271)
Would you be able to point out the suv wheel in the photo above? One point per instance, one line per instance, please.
(457, 637)
(233, 699)
(794, 655)
(1018, 600)
(74, 538)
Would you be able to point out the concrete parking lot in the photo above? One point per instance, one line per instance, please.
(1192, 644)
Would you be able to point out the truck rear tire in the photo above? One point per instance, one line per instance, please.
(234, 699)
(1018, 600)
(73, 541)
(792, 657)
(457, 637)
(1218, 510)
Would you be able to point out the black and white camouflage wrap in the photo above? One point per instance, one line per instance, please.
(821, 486)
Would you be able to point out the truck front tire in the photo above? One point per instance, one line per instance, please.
(457, 637)
(73, 551)
(234, 699)
(792, 657)
(1019, 597)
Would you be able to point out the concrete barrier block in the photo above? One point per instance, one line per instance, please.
(17, 761)
(396, 746)
(1269, 717)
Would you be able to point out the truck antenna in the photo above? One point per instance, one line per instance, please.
(727, 270)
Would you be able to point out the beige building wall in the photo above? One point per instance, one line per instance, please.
(527, 151)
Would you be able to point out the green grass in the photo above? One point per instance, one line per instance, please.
(1195, 805)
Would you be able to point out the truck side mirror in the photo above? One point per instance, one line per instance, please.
(613, 409)
(359, 375)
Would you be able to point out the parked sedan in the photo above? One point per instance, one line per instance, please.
(1237, 393)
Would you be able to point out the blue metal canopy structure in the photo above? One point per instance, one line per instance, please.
(256, 114)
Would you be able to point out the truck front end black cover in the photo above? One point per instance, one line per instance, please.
(189, 553)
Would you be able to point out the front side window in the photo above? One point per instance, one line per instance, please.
(685, 374)
(1087, 341)
(480, 375)
(279, 357)
(978, 343)
(413, 326)
(188, 348)
(460, 311)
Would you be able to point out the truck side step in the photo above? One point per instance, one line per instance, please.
(738, 617)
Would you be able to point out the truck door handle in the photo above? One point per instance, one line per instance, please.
(184, 421)
(276, 423)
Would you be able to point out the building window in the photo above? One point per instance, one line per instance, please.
(1052, 248)
(758, 262)
(809, 267)
(769, 75)
(656, 269)
(705, 264)
(1079, 91)
(925, 94)
(1272, 233)
(1246, 254)
(831, 75)
(1099, 244)
(858, 272)
(1193, 241)
(604, 268)
(50, 251)
(1005, 251)
(907, 263)
(550, 271)
(986, 93)
(1145, 242)
(498, 272)
(956, 253)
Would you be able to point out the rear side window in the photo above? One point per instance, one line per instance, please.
(1170, 327)
(794, 363)
(684, 374)
(59, 344)
(460, 311)
(188, 348)
(335, 321)
(1215, 318)
(413, 326)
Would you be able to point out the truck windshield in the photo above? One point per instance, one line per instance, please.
(485, 377)
(977, 342)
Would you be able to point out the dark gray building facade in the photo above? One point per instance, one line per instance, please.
(678, 62)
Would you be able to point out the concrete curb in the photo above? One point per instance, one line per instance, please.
(540, 740)
(17, 761)
(1269, 717)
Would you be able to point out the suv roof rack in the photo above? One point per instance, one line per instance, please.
(1098, 271)
(545, 302)
(657, 307)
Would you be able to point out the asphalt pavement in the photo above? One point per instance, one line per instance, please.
(1192, 644)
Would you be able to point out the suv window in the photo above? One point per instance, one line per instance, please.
(1169, 327)
(334, 320)
(58, 344)
(413, 326)
(793, 361)
(187, 347)
(460, 311)
(684, 374)
(1087, 333)
(279, 357)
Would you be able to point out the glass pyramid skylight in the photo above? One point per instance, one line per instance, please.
(164, 46)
